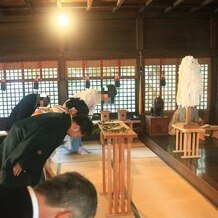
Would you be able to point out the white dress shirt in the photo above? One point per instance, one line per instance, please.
(34, 202)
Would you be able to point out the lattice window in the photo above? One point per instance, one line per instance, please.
(15, 74)
(102, 73)
(75, 86)
(20, 77)
(75, 72)
(169, 90)
(31, 73)
(10, 97)
(152, 84)
(125, 98)
(204, 73)
(2, 75)
(154, 68)
(49, 73)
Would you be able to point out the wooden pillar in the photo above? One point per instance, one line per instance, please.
(140, 65)
(62, 84)
(188, 115)
(213, 101)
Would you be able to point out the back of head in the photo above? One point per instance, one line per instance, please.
(78, 104)
(70, 191)
(86, 125)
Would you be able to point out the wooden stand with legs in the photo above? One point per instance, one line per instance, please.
(116, 170)
(187, 140)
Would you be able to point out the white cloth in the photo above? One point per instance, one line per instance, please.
(92, 97)
(3, 133)
(58, 109)
(54, 109)
(34, 202)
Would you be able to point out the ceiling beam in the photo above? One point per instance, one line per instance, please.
(147, 2)
(204, 3)
(119, 3)
(176, 3)
(27, 2)
(89, 5)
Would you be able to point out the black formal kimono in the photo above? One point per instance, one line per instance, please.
(25, 108)
(30, 142)
(15, 202)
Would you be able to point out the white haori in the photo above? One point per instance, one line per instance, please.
(92, 97)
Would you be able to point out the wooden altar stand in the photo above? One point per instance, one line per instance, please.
(187, 140)
(116, 169)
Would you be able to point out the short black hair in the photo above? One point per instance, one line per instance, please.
(79, 105)
(85, 123)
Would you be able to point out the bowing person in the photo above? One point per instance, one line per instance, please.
(31, 141)
(25, 107)
(72, 106)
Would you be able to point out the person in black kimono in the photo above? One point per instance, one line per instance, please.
(31, 141)
(25, 107)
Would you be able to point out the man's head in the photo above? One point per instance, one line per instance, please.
(80, 106)
(43, 100)
(81, 125)
(69, 194)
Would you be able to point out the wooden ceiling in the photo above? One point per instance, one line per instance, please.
(22, 7)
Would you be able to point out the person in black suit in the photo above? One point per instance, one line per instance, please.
(66, 195)
(31, 141)
(25, 107)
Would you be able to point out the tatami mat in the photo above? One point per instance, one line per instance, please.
(158, 191)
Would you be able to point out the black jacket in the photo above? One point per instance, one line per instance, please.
(30, 142)
(15, 202)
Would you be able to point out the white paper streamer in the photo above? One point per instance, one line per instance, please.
(190, 86)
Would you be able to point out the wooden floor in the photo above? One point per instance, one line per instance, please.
(157, 189)
(202, 172)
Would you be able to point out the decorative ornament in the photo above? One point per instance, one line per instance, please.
(158, 107)
(117, 80)
(36, 83)
(87, 81)
(190, 86)
(162, 79)
(3, 85)
(112, 92)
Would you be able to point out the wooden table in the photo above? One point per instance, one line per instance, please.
(187, 140)
(128, 122)
(116, 169)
